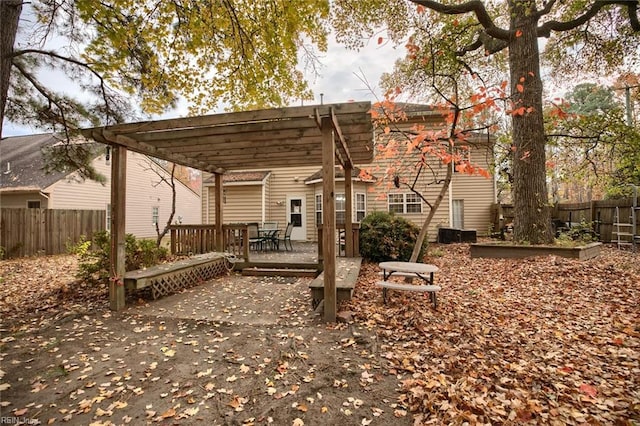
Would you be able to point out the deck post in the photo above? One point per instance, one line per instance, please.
(218, 212)
(118, 209)
(329, 219)
(348, 207)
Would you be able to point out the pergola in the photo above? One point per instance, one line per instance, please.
(282, 137)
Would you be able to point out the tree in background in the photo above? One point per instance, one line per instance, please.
(582, 36)
(150, 54)
(587, 134)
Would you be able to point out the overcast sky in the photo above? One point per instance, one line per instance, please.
(338, 79)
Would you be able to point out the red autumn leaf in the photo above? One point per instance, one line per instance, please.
(588, 390)
(421, 8)
(520, 88)
(518, 33)
(380, 40)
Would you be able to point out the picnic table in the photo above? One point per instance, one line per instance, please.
(424, 271)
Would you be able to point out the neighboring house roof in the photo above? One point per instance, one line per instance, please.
(339, 174)
(240, 178)
(22, 163)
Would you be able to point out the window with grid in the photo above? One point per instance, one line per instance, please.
(341, 203)
(396, 203)
(361, 207)
(318, 209)
(155, 213)
(413, 204)
(404, 203)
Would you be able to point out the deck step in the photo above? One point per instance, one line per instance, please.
(280, 272)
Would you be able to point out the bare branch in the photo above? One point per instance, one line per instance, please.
(632, 6)
(473, 6)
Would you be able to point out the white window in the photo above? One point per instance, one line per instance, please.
(404, 203)
(361, 206)
(341, 202)
(108, 227)
(413, 203)
(341, 206)
(396, 203)
(457, 207)
(155, 212)
(318, 209)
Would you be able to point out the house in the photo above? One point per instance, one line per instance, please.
(294, 194)
(24, 184)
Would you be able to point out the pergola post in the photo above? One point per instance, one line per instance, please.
(218, 212)
(329, 219)
(118, 209)
(348, 207)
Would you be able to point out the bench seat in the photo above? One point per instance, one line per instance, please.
(168, 278)
(347, 271)
(431, 289)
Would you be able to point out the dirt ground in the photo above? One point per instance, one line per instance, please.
(239, 350)
(534, 341)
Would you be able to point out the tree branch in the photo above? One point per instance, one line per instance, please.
(545, 29)
(103, 87)
(474, 6)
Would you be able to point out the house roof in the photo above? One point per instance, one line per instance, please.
(339, 174)
(271, 138)
(240, 177)
(22, 163)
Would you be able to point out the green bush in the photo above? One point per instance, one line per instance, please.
(94, 264)
(385, 236)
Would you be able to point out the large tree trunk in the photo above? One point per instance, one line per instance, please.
(532, 222)
(10, 11)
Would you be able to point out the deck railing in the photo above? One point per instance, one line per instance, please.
(198, 239)
(341, 240)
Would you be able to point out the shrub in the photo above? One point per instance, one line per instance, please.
(385, 236)
(94, 264)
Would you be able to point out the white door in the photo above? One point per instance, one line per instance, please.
(296, 215)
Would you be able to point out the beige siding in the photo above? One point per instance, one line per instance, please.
(477, 193)
(19, 201)
(290, 182)
(72, 192)
(244, 202)
(144, 191)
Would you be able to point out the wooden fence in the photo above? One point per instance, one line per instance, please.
(28, 232)
(601, 214)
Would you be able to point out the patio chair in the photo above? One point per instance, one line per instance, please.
(287, 237)
(256, 241)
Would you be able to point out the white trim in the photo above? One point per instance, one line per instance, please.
(263, 207)
(312, 182)
(451, 202)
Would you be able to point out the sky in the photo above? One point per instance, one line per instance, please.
(338, 80)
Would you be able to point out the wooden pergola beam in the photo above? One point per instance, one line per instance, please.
(341, 142)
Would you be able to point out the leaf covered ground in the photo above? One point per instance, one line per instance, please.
(542, 340)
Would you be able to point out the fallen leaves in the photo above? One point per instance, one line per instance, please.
(542, 340)
(539, 340)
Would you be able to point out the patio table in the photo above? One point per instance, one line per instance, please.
(423, 271)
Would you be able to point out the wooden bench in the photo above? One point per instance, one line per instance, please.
(168, 278)
(389, 285)
(347, 271)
